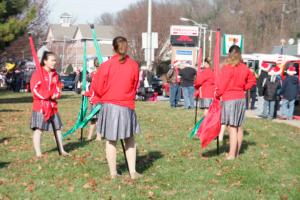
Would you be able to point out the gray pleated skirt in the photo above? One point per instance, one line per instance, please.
(204, 103)
(233, 112)
(37, 122)
(95, 117)
(117, 122)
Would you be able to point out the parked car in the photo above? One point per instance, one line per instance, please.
(68, 82)
(157, 85)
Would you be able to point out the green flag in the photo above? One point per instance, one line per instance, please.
(84, 102)
(97, 47)
(195, 129)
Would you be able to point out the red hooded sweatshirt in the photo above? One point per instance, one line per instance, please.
(43, 90)
(205, 83)
(116, 82)
(234, 81)
(90, 93)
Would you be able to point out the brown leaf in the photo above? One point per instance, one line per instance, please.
(284, 197)
(90, 184)
(30, 187)
(71, 189)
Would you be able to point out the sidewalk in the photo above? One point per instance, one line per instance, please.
(295, 123)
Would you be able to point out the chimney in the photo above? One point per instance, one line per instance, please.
(65, 20)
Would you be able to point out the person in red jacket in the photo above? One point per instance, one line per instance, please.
(46, 88)
(93, 101)
(115, 85)
(236, 79)
(205, 85)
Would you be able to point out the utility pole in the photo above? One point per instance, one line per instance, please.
(282, 18)
(149, 34)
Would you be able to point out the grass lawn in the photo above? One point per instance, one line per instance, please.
(269, 167)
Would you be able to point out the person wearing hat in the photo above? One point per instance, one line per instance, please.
(174, 81)
(290, 90)
(263, 75)
(270, 90)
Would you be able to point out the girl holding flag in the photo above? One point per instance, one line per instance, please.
(205, 85)
(236, 79)
(46, 89)
(115, 85)
(93, 101)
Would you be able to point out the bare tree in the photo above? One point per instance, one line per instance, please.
(105, 19)
(39, 25)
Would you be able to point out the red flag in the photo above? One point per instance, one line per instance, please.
(217, 56)
(211, 124)
(199, 69)
(35, 58)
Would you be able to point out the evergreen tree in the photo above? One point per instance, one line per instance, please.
(15, 15)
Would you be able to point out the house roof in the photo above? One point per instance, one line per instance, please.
(287, 50)
(102, 32)
(106, 49)
(59, 32)
(65, 15)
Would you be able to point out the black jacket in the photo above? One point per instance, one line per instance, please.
(290, 88)
(187, 76)
(271, 89)
(263, 75)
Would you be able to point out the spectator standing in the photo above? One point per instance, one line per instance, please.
(174, 82)
(290, 90)
(271, 89)
(187, 77)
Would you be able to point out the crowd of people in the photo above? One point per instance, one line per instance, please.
(271, 97)
(18, 77)
(236, 86)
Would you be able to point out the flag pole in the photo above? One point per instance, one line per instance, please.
(196, 110)
(216, 64)
(124, 151)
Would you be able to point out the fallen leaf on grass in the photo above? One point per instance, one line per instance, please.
(150, 194)
(71, 189)
(235, 184)
(6, 142)
(284, 197)
(90, 184)
(30, 187)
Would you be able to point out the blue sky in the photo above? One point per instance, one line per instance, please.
(85, 10)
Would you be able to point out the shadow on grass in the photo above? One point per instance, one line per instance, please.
(4, 164)
(72, 146)
(10, 110)
(225, 148)
(143, 162)
(28, 99)
(5, 138)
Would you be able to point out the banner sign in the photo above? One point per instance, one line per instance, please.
(229, 40)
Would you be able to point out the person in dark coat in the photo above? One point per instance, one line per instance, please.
(290, 90)
(187, 77)
(263, 75)
(271, 89)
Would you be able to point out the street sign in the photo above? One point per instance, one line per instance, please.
(184, 56)
(154, 38)
(146, 54)
(184, 35)
(229, 40)
(185, 30)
